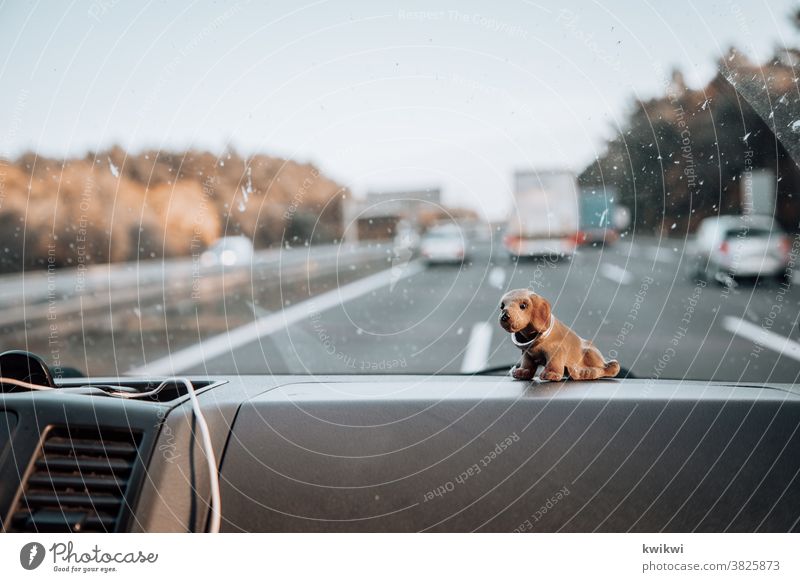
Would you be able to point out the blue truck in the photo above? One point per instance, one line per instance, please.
(599, 215)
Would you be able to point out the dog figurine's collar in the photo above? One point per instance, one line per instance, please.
(539, 336)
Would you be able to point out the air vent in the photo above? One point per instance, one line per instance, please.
(77, 482)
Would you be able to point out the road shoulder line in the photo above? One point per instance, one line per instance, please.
(229, 341)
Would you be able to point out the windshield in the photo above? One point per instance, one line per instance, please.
(248, 188)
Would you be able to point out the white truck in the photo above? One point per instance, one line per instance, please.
(545, 215)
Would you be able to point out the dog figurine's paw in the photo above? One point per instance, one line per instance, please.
(522, 374)
(580, 373)
(551, 376)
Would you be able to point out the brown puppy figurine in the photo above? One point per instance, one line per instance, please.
(547, 342)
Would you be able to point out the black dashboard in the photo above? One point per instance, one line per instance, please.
(405, 453)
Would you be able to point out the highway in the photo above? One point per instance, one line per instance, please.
(632, 299)
(335, 311)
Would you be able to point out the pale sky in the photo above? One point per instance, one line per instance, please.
(451, 94)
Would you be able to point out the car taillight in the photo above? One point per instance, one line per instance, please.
(723, 248)
(510, 240)
(785, 245)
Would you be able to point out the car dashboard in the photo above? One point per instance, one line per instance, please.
(404, 453)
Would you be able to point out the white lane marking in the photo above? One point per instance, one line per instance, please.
(763, 337)
(615, 273)
(660, 254)
(480, 340)
(497, 277)
(245, 334)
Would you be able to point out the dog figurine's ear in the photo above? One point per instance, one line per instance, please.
(540, 312)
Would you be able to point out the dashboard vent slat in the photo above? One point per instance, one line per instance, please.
(39, 480)
(77, 482)
(83, 464)
(88, 447)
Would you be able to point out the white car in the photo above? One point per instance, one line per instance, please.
(229, 251)
(740, 246)
(444, 245)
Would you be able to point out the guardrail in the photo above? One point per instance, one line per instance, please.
(33, 297)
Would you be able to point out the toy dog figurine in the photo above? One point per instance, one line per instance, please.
(547, 342)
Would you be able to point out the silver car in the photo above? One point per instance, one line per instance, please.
(444, 244)
(740, 246)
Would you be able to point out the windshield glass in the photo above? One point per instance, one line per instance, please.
(249, 188)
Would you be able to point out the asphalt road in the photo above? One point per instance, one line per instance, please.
(108, 319)
(633, 299)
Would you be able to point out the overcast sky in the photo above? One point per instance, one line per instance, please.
(451, 94)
